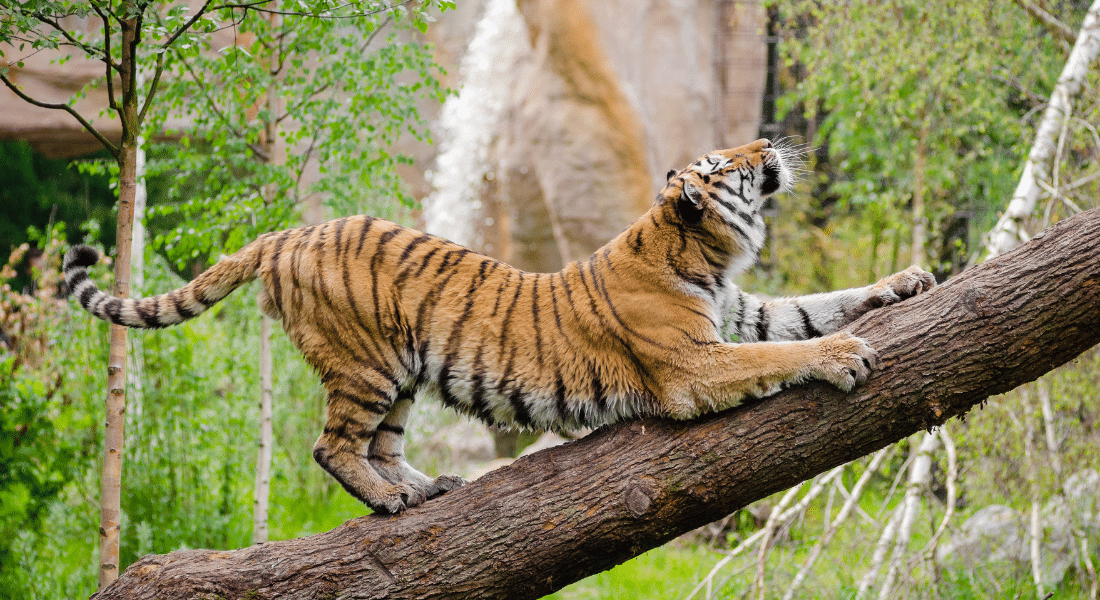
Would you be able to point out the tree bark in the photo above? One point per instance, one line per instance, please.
(559, 515)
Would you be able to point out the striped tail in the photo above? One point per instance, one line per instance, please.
(171, 308)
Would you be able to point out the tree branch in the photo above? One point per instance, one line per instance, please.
(110, 75)
(186, 26)
(152, 88)
(89, 50)
(1053, 26)
(565, 513)
(65, 107)
(326, 15)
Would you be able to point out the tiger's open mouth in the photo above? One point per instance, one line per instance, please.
(772, 181)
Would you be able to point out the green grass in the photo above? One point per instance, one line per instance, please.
(667, 572)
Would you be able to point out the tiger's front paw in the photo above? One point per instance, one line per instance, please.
(900, 286)
(846, 360)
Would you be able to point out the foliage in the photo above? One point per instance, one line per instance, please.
(44, 437)
(345, 91)
(919, 99)
(34, 189)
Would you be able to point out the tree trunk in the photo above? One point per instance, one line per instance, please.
(562, 514)
(1009, 230)
(276, 155)
(263, 455)
(113, 439)
(920, 223)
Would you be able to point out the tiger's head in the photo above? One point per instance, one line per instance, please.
(731, 183)
(717, 200)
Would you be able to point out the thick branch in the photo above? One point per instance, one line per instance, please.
(562, 514)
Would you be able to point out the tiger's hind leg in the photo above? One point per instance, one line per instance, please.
(355, 412)
(387, 454)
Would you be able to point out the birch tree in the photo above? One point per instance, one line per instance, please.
(1011, 229)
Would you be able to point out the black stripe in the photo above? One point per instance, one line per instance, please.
(341, 431)
(296, 292)
(412, 246)
(335, 332)
(699, 280)
(565, 415)
(276, 284)
(430, 300)
(451, 350)
(599, 393)
(86, 295)
(424, 262)
(394, 429)
(113, 310)
(554, 303)
(761, 325)
(446, 263)
(811, 331)
(75, 279)
(378, 408)
(478, 404)
(636, 241)
(740, 315)
(505, 328)
(375, 265)
(146, 312)
(640, 367)
(368, 221)
(177, 302)
(518, 401)
(601, 286)
(535, 318)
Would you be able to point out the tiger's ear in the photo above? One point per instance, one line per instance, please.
(669, 175)
(690, 203)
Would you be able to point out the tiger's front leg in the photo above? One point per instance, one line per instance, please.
(753, 319)
(725, 375)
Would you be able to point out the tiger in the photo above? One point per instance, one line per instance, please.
(651, 325)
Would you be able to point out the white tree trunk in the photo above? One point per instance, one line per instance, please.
(1009, 230)
(276, 156)
(920, 474)
(136, 371)
(263, 459)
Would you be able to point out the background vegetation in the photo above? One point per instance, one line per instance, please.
(900, 100)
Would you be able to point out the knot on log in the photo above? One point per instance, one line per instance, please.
(638, 497)
(972, 299)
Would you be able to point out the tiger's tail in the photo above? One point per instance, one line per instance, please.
(171, 308)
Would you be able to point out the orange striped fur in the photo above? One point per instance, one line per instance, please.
(642, 328)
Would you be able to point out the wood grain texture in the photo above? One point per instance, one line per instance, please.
(562, 514)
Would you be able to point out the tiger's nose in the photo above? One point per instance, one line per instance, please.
(762, 144)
